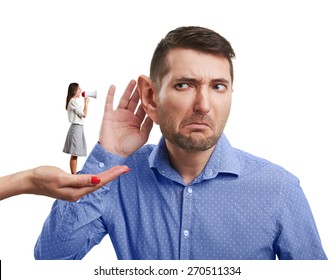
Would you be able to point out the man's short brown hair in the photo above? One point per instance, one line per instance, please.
(188, 37)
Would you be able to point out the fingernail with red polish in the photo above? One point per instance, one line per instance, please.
(95, 180)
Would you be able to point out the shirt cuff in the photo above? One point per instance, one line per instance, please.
(100, 160)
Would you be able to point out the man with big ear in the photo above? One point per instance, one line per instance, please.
(191, 196)
(149, 97)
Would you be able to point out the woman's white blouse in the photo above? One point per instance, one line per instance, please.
(75, 112)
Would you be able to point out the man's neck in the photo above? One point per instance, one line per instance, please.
(189, 164)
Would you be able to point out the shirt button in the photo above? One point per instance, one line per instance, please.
(101, 164)
(186, 233)
(190, 190)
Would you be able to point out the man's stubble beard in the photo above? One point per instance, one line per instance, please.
(195, 141)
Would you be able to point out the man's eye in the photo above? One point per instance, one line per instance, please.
(182, 86)
(220, 87)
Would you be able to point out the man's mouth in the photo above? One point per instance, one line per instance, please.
(197, 125)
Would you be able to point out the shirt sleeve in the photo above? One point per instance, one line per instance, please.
(298, 237)
(73, 228)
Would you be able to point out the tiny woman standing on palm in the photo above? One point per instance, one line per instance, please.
(75, 143)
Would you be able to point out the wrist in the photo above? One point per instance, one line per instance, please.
(26, 181)
(112, 150)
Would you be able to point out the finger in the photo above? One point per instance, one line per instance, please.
(140, 114)
(112, 173)
(94, 181)
(110, 99)
(81, 184)
(77, 180)
(133, 102)
(124, 100)
(147, 126)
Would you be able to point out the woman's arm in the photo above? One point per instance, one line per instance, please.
(14, 184)
(85, 107)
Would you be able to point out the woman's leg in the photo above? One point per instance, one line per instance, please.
(73, 164)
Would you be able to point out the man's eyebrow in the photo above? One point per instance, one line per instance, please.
(193, 80)
(186, 80)
(221, 80)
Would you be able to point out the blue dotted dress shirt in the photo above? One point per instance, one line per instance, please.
(240, 207)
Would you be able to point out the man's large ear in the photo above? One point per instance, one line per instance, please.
(148, 97)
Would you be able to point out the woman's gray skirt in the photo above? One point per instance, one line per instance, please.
(75, 143)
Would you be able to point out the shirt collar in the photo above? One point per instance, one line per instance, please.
(223, 160)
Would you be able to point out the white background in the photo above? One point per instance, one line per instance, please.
(283, 90)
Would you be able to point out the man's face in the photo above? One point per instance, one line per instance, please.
(195, 99)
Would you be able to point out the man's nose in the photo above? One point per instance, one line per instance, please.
(202, 101)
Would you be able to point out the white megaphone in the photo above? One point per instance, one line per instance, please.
(89, 94)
